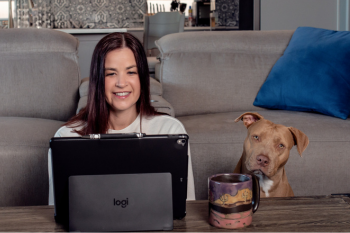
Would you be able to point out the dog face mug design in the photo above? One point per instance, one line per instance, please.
(233, 198)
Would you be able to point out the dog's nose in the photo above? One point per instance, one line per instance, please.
(262, 160)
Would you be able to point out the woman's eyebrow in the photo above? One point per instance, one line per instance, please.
(129, 67)
(111, 69)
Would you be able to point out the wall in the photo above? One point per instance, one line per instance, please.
(287, 14)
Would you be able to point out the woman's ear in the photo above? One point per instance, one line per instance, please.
(249, 118)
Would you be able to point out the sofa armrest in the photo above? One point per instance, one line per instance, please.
(155, 87)
(161, 105)
(157, 72)
(83, 93)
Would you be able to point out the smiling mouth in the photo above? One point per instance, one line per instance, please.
(122, 94)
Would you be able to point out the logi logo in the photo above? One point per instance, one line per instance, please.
(123, 203)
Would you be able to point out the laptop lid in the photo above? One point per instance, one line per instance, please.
(119, 154)
(125, 202)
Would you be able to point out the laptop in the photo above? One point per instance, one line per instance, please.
(124, 202)
(108, 154)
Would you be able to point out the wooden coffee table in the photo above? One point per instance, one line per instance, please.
(317, 213)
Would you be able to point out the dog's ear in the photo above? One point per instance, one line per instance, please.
(249, 118)
(300, 139)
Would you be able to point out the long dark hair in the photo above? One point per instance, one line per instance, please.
(94, 117)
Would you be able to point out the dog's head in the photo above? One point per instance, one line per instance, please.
(267, 145)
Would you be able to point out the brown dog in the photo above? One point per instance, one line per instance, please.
(266, 151)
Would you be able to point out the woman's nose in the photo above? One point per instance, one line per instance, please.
(121, 81)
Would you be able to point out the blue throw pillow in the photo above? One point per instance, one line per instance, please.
(312, 75)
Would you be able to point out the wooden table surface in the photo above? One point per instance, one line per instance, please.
(301, 214)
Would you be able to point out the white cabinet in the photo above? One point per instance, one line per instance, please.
(290, 14)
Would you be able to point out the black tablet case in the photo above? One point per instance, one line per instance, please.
(119, 154)
(122, 202)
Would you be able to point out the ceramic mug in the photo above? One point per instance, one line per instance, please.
(233, 198)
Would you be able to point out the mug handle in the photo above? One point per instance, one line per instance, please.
(256, 193)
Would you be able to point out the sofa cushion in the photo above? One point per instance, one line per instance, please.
(217, 145)
(82, 103)
(24, 145)
(39, 73)
(221, 71)
(312, 75)
(84, 87)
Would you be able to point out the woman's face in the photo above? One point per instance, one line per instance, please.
(122, 83)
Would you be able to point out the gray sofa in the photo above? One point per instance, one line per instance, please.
(39, 80)
(211, 78)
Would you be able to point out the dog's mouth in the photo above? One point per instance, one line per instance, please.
(258, 172)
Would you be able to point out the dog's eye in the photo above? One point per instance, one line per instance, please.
(281, 146)
(256, 137)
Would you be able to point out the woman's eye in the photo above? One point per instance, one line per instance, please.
(110, 74)
(256, 137)
(131, 72)
(281, 146)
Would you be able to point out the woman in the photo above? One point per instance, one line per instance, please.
(119, 98)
